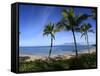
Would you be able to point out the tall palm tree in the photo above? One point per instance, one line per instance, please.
(84, 29)
(50, 30)
(70, 22)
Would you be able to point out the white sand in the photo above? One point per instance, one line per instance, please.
(64, 56)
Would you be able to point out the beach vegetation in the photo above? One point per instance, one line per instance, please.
(84, 61)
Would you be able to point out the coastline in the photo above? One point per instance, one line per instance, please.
(62, 56)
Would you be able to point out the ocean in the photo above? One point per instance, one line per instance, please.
(56, 50)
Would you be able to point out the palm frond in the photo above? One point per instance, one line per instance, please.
(78, 29)
(71, 12)
(45, 33)
(89, 26)
(64, 13)
(60, 25)
(91, 30)
(82, 35)
(85, 27)
(50, 30)
(81, 17)
(53, 36)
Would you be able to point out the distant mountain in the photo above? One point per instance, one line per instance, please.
(71, 44)
(67, 44)
(80, 43)
(94, 45)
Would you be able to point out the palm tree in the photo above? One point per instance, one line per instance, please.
(71, 22)
(50, 30)
(84, 29)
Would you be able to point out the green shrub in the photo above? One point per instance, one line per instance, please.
(84, 61)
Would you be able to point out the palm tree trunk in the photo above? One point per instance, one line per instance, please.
(88, 43)
(50, 47)
(76, 51)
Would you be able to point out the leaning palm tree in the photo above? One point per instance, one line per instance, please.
(50, 30)
(84, 29)
(71, 22)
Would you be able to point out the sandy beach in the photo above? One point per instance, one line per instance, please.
(64, 56)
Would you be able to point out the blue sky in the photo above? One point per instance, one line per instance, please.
(32, 20)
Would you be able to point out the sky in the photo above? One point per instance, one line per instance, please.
(33, 18)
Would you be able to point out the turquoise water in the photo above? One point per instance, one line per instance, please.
(56, 50)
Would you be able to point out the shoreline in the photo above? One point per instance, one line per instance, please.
(62, 56)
